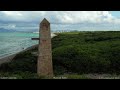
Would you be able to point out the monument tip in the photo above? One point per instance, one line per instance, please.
(45, 21)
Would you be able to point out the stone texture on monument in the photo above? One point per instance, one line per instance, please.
(44, 65)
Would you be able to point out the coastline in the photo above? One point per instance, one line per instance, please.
(9, 58)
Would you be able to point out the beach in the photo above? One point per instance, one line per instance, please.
(10, 57)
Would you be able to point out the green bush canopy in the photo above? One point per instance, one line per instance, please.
(75, 52)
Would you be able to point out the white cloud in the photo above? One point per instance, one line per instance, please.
(63, 17)
(9, 13)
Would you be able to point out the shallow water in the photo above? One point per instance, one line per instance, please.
(14, 42)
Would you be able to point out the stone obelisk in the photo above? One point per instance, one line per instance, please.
(44, 64)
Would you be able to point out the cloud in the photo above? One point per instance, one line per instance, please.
(63, 17)
(9, 13)
(10, 26)
(60, 20)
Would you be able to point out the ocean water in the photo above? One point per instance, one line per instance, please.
(13, 42)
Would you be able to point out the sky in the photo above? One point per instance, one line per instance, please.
(61, 20)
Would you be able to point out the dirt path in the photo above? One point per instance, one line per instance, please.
(102, 76)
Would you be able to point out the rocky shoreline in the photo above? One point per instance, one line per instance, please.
(10, 57)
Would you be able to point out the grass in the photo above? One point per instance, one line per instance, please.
(74, 76)
(74, 52)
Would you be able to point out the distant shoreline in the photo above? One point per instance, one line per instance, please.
(9, 58)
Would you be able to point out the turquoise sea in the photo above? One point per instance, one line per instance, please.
(13, 42)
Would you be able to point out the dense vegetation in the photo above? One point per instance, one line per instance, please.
(75, 52)
(87, 52)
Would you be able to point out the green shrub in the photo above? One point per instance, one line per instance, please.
(91, 52)
(75, 52)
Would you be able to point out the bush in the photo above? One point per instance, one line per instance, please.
(80, 56)
(81, 53)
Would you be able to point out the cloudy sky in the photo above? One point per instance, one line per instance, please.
(61, 20)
